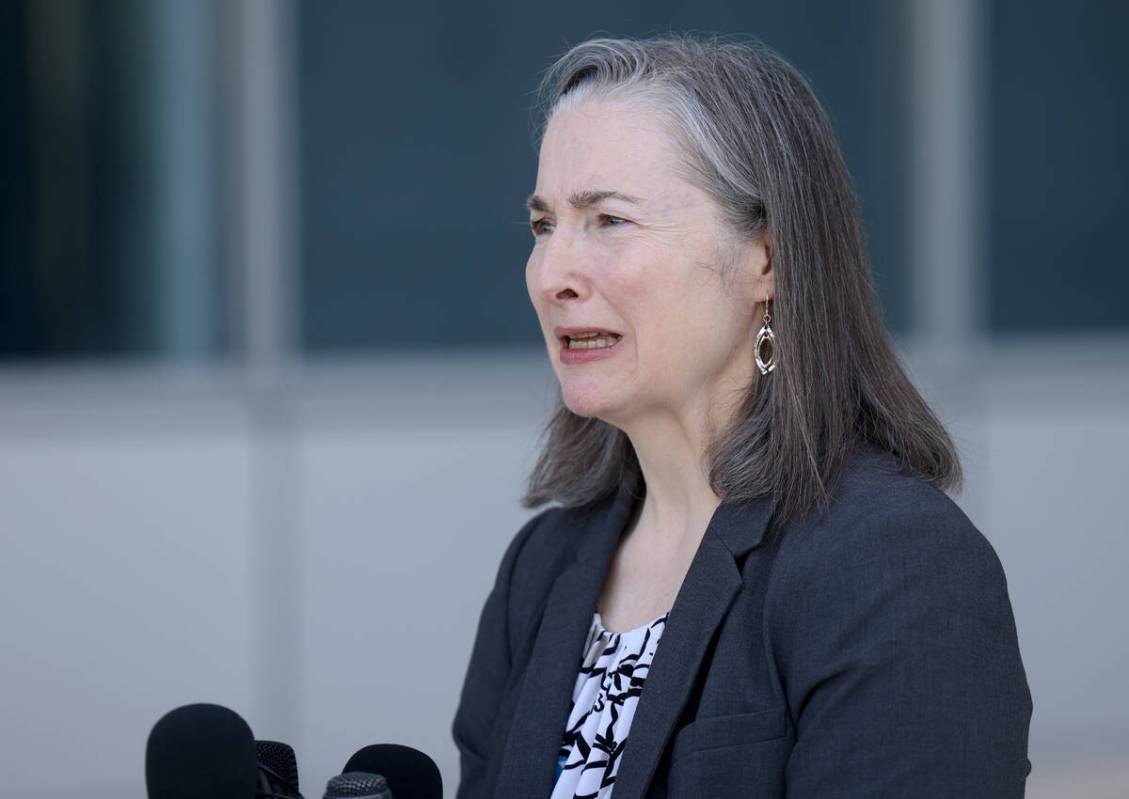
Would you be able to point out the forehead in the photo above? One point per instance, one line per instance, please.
(615, 145)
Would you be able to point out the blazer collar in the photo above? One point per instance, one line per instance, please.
(711, 583)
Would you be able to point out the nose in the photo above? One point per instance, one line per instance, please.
(560, 269)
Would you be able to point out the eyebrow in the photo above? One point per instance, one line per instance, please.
(581, 199)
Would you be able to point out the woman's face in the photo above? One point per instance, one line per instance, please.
(623, 244)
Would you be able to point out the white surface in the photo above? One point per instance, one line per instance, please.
(123, 593)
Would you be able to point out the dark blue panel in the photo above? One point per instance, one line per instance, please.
(1058, 167)
(416, 151)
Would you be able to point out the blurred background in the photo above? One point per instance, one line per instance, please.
(270, 382)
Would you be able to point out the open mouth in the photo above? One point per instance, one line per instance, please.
(590, 341)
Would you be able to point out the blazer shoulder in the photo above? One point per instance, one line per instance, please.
(882, 513)
(879, 495)
(889, 622)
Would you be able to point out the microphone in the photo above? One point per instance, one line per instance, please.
(206, 751)
(198, 751)
(408, 772)
(278, 771)
(358, 785)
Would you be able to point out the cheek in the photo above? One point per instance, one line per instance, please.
(637, 282)
(664, 306)
(693, 321)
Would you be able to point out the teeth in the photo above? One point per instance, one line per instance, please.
(591, 342)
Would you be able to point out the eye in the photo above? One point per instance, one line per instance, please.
(612, 221)
(538, 226)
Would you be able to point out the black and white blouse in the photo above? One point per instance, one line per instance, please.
(604, 698)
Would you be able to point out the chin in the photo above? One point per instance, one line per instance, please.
(586, 409)
(588, 403)
(602, 405)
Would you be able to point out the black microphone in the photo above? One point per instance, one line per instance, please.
(199, 751)
(278, 771)
(358, 785)
(407, 772)
(205, 751)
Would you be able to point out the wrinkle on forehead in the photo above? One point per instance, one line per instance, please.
(617, 146)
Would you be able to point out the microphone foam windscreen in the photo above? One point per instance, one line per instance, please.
(357, 785)
(279, 759)
(410, 773)
(199, 751)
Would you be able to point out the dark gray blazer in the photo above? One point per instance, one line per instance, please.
(869, 651)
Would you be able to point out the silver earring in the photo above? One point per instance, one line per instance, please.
(765, 336)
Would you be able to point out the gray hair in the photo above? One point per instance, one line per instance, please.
(758, 141)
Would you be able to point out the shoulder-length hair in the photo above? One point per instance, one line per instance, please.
(758, 141)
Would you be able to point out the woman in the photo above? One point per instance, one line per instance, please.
(753, 584)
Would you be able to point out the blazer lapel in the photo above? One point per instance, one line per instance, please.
(709, 588)
(546, 696)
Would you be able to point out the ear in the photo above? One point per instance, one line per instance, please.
(756, 265)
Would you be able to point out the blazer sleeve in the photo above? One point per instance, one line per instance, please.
(898, 652)
(487, 674)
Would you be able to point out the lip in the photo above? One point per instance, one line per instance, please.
(561, 332)
(569, 356)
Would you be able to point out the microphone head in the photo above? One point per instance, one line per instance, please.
(357, 785)
(199, 751)
(280, 763)
(410, 773)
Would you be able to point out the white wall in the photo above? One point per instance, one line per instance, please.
(150, 534)
(123, 582)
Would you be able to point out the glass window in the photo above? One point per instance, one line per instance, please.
(1058, 168)
(416, 153)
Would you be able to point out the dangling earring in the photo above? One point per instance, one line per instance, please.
(765, 336)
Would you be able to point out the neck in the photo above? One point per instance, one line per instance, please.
(679, 500)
